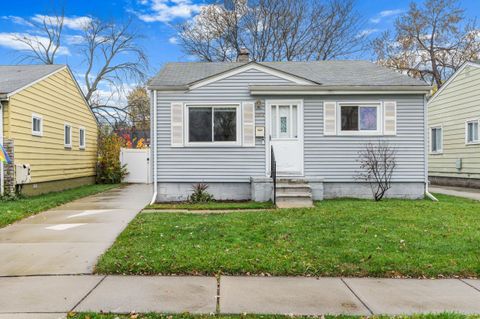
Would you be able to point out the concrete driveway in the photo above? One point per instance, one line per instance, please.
(70, 238)
(471, 193)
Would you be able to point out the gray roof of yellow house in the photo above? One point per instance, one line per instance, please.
(324, 73)
(15, 77)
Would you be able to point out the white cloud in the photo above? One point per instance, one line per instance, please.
(385, 14)
(73, 23)
(173, 40)
(168, 10)
(389, 13)
(9, 40)
(367, 32)
(73, 39)
(17, 20)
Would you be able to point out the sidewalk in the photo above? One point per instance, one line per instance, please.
(471, 193)
(51, 297)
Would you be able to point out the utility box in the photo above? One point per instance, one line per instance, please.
(458, 164)
(23, 174)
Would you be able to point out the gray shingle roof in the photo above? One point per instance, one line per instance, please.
(14, 77)
(340, 72)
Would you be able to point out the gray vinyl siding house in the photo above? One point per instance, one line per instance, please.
(454, 115)
(297, 108)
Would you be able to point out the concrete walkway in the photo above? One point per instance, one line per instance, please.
(54, 296)
(69, 239)
(471, 193)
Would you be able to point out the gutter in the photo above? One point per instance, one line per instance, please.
(426, 133)
(154, 147)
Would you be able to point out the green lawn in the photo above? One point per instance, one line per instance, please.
(212, 206)
(11, 211)
(344, 237)
(188, 316)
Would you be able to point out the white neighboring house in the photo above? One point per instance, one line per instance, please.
(453, 117)
(216, 123)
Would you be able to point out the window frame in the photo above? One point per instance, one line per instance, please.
(80, 146)
(439, 150)
(65, 125)
(377, 104)
(38, 117)
(478, 131)
(239, 122)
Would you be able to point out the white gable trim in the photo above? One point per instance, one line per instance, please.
(251, 66)
(454, 75)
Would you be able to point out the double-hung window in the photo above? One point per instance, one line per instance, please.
(436, 143)
(471, 132)
(67, 136)
(37, 125)
(216, 124)
(81, 138)
(360, 119)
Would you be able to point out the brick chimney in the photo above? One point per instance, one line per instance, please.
(243, 56)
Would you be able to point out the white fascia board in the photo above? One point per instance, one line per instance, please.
(450, 79)
(250, 66)
(366, 92)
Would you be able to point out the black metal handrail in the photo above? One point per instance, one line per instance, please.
(273, 173)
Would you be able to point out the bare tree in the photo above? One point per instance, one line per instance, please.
(44, 47)
(273, 30)
(104, 47)
(377, 163)
(430, 41)
(113, 58)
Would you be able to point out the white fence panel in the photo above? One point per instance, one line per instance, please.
(138, 165)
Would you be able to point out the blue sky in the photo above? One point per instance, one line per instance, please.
(155, 18)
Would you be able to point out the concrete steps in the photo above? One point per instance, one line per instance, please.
(293, 193)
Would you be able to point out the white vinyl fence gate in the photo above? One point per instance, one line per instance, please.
(138, 165)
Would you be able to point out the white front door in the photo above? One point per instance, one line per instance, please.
(285, 135)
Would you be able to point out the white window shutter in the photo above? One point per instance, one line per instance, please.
(329, 118)
(177, 124)
(248, 125)
(389, 117)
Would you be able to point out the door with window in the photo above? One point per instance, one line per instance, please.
(285, 135)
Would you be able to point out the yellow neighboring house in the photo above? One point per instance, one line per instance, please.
(51, 125)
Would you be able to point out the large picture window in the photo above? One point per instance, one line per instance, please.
(213, 124)
(360, 119)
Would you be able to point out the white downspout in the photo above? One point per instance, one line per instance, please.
(2, 185)
(154, 147)
(427, 143)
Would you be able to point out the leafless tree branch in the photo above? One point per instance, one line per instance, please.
(274, 30)
(377, 163)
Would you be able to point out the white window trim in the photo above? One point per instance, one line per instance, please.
(440, 150)
(377, 132)
(38, 117)
(237, 107)
(466, 132)
(84, 146)
(64, 129)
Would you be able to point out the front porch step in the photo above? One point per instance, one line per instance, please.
(294, 202)
(293, 193)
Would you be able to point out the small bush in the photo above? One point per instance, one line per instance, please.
(200, 194)
(109, 168)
